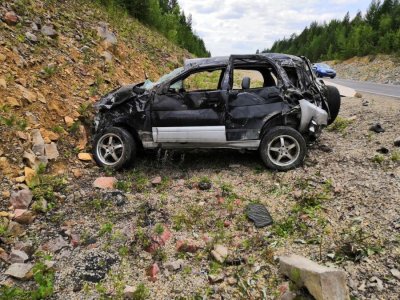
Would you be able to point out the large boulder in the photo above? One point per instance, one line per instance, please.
(322, 282)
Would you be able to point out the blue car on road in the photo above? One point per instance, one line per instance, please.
(323, 70)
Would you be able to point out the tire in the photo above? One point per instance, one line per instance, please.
(271, 148)
(114, 148)
(333, 100)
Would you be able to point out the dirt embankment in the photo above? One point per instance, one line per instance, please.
(377, 68)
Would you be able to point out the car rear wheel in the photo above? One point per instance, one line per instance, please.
(283, 148)
(114, 148)
(333, 101)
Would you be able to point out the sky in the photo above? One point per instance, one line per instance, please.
(243, 26)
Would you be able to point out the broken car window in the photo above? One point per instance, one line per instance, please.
(149, 85)
(256, 79)
(201, 81)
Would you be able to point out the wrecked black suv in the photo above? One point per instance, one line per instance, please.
(270, 102)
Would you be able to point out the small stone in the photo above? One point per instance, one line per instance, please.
(204, 186)
(75, 240)
(288, 295)
(5, 194)
(156, 180)
(174, 265)
(18, 256)
(397, 142)
(231, 280)
(37, 142)
(30, 176)
(152, 272)
(3, 83)
(51, 151)
(22, 135)
(31, 37)
(10, 18)
(379, 283)
(322, 282)
(216, 278)
(69, 121)
(220, 253)
(129, 292)
(55, 245)
(297, 194)
(383, 150)
(20, 271)
(48, 30)
(85, 156)
(21, 199)
(186, 246)
(107, 57)
(14, 229)
(23, 216)
(377, 128)
(227, 223)
(77, 173)
(395, 273)
(26, 247)
(105, 182)
(12, 102)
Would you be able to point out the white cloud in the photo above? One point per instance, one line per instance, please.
(242, 26)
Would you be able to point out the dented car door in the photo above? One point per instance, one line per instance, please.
(189, 113)
(250, 107)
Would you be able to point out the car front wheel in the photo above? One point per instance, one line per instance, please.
(114, 148)
(283, 148)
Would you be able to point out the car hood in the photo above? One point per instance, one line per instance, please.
(120, 95)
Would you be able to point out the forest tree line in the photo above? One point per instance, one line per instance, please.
(377, 31)
(168, 18)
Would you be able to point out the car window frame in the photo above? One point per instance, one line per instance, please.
(190, 72)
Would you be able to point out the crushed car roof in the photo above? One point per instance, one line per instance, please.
(223, 60)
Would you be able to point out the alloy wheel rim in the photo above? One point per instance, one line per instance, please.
(283, 150)
(110, 149)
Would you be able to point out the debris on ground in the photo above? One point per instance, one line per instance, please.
(322, 282)
(259, 214)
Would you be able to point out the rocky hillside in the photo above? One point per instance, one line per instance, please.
(380, 69)
(57, 58)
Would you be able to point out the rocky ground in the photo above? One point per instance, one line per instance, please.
(156, 230)
(377, 68)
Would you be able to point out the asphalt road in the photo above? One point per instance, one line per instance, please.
(369, 87)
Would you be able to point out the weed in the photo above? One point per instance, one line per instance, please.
(44, 279)
(378, 158)
(180, 220)
(159, 229)
(58, 129)
(141, 292)
(227, 189)
(74, 127)
(3, 227)
(214, 267)
(340, 125)
(285, 227)
(160, 255)
(124, 186)
(205, 179)
(85, 110)
(49, 71)
(395, 156)
(356, 243)
(106, 228)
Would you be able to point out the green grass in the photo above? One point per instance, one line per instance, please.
(395, 156)
(340, 125)
(378, 158)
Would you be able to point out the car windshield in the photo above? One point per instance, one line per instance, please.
(324, 66)
(149, 85)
